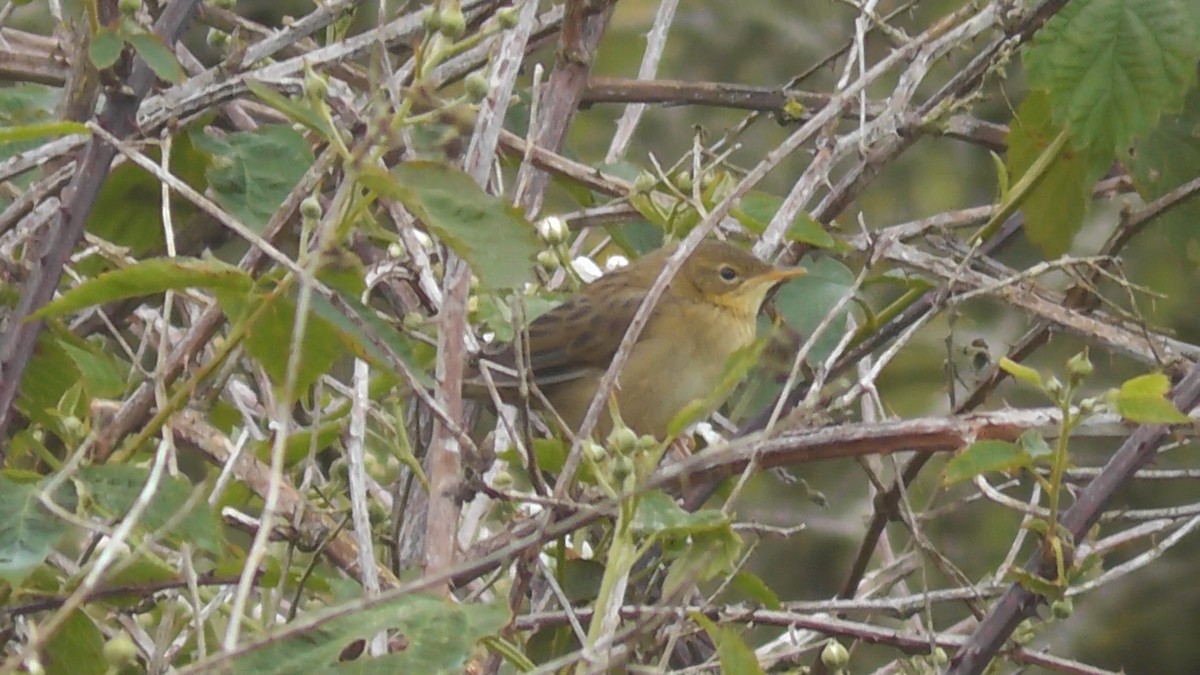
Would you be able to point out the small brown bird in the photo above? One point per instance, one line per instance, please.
(707, 313)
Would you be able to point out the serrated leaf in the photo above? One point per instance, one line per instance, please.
(984, 456)
(105, 48)
(490, 235)
(1023, 373)
(252, 172)
(300, 112)
(157, 55)
(115, 488)
(1111, 67)
(28, 532)
(1143, 399)
(1055, 205)
(735, 656)
(148, 277)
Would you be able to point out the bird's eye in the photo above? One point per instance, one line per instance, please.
(727, 273)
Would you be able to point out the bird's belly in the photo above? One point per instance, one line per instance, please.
(663, 375)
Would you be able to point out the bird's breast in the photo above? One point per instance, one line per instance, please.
(670, 368)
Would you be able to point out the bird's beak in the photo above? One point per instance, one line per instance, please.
(778, 275)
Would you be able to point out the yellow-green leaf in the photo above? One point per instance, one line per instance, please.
(492, 236)
(735, 656)
(158, 56)
(1023, 373)
(982, 457)
(40, 130)
(1143, 399)
(152, 276)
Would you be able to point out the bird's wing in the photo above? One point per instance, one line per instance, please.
(575, 338)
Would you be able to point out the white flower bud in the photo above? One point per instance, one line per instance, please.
(553, 230)
(586, 268)
(616, 262)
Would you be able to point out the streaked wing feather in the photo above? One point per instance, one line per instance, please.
(574, 338)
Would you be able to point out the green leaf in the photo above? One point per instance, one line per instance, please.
(756, 210)
(493, 237)
(115, 488)
(103, 375)
(658, 515)
(360, 343)
(149, 277)
(984, 456)
(128, 210)
(735, 657)
(439, 643)
(1168, 157)
(805, 302)
(28, 532)
(50, 373)
(1143, 399)
(637, 237)
(653, 207)
(252, 172)
(269, 341)
(1034, 445)
(496, 314)
(300, 442)
(1111, 67)
(581, 579)
(1023, 373)
(440, 637)
(1037, 584)
(76, 648)
(28, 103)
(300, 112)
(705, 556)
(1056, 204)
(158, 56)
(752, 586)
(105, 48)
(38, 131)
